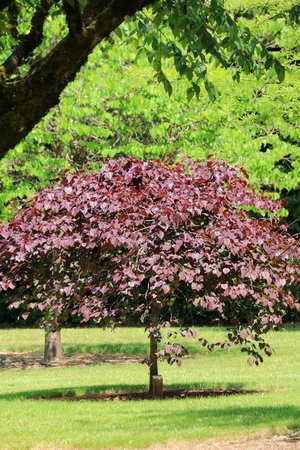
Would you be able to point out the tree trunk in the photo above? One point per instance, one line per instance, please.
(155, 382)
(26, 99)
(52, 349)
(153, 361)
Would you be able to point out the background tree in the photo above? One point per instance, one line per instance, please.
(36, 68)
(120, 110)
(138, 237)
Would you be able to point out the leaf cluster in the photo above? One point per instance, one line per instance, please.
(191, 35)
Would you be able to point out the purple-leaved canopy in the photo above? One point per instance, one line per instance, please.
(141, 237)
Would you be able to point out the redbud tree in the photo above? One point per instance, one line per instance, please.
(138, 238)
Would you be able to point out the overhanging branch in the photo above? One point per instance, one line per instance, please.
(25, 99)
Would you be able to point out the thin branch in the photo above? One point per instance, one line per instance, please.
(116, 8)
(95, 9)
(5, 3)
(13, 12)
(30, 41)
(74, 17)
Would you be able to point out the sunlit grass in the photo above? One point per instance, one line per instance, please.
(91, 340)
(27, 423)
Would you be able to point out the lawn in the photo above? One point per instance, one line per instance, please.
(27, 423)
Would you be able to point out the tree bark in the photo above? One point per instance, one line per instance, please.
(153, 370)
(153, 361)
(26, 99)
(53, 348)
(5, 3)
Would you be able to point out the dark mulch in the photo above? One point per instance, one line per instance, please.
(168, 394)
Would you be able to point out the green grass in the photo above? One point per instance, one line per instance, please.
(26, 423)
(124, 341)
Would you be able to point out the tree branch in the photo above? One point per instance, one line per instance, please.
(5, 3)
(74, 17)
(13, 12)
(30, 41)
(26, 99)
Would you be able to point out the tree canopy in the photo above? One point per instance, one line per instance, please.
(136, 238)
(44, 43)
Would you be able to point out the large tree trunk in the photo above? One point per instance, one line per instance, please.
(53, 348)
(26, 99)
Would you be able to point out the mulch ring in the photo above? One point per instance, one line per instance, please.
(168, 394)
(33, 361)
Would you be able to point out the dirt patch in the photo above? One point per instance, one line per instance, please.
(288, 442)
(33, 361)
(168, 394)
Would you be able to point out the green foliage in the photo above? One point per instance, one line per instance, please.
(22, 175)
(193, 34)
(115, 106)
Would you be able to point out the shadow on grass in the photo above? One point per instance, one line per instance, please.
(113, 389)
(130, 348)
(225, 420)
(248, 417)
